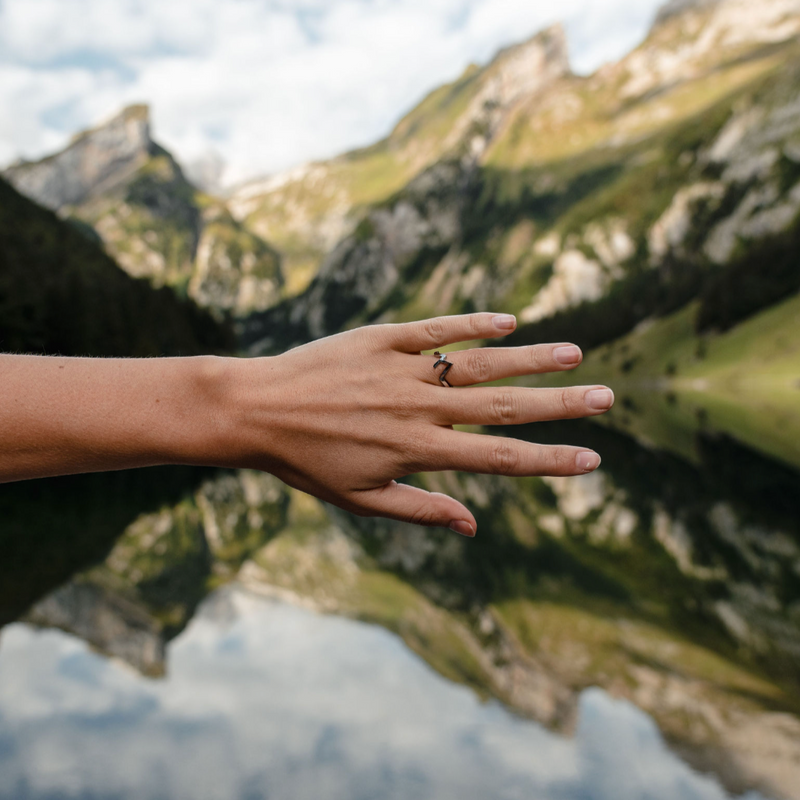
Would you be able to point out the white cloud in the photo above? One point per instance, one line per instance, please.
(266, 83)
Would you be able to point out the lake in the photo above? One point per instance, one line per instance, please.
(634, 633)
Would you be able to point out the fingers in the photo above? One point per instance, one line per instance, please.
(486, 364)
(409, 504)
(513, 405)
(495, 455)
(430, 334)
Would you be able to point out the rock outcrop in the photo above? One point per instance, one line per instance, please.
(94, 162)
(693, 36)
(676, 8)
(109, 622)
(151, 218)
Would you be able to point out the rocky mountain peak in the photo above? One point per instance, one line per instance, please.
(729, 22)
(674, 8)
(94, 161)
(516, 72)
(691, 37)
(523, 68)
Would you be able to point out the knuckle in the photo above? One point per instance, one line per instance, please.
(536, 358)
(562, 461)
(503, 458)
(374, 338)
(434, 329)
(424, 515)
(475, 323)
(504, 408)
(405, 405)
(479, 366)
(419, 452)
(564, 402)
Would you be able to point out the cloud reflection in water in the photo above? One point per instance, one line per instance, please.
(265, 700)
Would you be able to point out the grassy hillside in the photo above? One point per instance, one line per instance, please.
(61, 293)
(305, 212)
(590, 209)
(672, 382)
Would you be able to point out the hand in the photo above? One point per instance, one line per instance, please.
(342, 418)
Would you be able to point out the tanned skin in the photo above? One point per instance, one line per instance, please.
(341, 418)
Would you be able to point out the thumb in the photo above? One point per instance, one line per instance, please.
(409, 504)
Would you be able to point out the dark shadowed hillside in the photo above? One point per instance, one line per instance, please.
(61, 293)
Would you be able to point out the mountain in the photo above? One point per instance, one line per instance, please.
(587, 204)
(306, 211)
(61, 293)
(151, 219)
(518, 185)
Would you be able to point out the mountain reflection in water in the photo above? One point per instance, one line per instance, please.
(667, 580)
(268, 700)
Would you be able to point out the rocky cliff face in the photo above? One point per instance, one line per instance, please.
(383, 262)
(151, 219)
(677, 8)
(690, 36)
(110, 623)
(735, 20)
(95, 161)
(307, 211)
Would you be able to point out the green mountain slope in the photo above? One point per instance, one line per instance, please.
(744, 381)
(593, 203)
(307, 211)
(60, 293)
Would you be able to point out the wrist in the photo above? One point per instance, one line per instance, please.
(234, 396)
(200, 428)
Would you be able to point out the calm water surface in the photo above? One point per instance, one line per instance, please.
(634, 634)
(266, 700)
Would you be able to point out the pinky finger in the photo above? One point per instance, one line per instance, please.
(410, 504)
(496, 455)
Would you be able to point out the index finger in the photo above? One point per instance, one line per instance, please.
(428, 334)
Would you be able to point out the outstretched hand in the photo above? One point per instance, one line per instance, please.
(344, 417)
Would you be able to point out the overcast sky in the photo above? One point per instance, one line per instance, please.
(265, 84)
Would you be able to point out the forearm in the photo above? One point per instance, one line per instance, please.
(69, 415)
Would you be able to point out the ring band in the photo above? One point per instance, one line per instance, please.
(448, 365)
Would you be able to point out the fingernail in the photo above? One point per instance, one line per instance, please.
(600, 399)
(464, 528)
(505, 322)
(587, 461)
(567, 355)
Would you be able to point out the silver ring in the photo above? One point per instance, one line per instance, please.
(448, 365)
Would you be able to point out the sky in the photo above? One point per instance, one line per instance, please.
(263, 85)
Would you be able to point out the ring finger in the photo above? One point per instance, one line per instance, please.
(486, 364)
